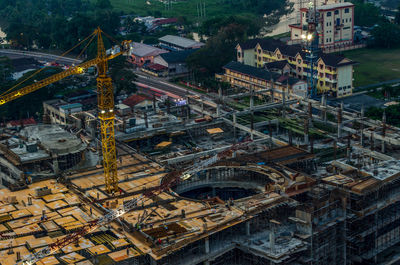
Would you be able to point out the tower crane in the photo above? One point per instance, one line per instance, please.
(105, 101)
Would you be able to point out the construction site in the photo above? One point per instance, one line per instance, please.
(234, 177)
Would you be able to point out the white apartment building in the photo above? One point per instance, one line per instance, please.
(335, 25)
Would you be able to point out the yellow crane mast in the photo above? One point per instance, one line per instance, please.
(105, 102)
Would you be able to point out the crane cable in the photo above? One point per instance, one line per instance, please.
(38, 71)
(84, 49)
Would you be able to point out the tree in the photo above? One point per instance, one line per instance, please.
(366, 14)
(123, 77)
(220, 47)
(103, 4)
(6, 69)
(397, 17)
(386, 35)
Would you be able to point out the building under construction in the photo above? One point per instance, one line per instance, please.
(241, 178)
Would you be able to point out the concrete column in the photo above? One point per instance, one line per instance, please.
(251, 98)
(220, 93)
(248, 228)
(272, 240)
(145, 120)
(206, 245)
(372, 142)
(272, 91)
(306, 130)
(277, 127)
(56, 168)
(218, 110)
(323, 105)
(234, 125)
(362, 125)
(383, 148)
(283, 103)
(339, 120)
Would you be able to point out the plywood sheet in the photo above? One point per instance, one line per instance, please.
(72, 258)
(123, 254)
(99, 249)
(56, 205)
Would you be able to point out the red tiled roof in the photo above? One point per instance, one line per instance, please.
(134, 100)
(29, 121)
(156, 67)
(166, 21)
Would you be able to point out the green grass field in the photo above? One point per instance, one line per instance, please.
(375, 65)
(187, 8)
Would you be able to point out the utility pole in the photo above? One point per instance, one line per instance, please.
(312, 41)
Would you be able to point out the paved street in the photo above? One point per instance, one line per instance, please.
(38, 56)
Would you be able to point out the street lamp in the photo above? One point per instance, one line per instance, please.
(311, 57)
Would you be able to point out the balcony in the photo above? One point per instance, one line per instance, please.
(329, 80)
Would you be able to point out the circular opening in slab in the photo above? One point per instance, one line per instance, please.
(232, 182)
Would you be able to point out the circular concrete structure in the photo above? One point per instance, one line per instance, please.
(228, 182)
(66, 148)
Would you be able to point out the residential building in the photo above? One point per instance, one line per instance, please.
(138, 102)
(335, 26)
(58, 111)
(334, 73)
(241, 75)
(282, 67)
(175, 62)
(17, 124)
(156, 69)
(141, 53)
(176, 43)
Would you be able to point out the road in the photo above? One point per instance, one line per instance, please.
(388, 82)
(39, 56)
(159, 83)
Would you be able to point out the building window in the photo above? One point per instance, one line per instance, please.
(299, 61)
(239, 54)
(328, 14)
(321, 66)
(346, 10)
(299, 69)
(327, 40)
(321, 83)
(259, 51)
(336, 12)
(327, 23)
(279, 56)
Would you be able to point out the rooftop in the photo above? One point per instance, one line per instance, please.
(135, 99)
(177, 56)
(184, 43)
(334, 6)
(251, 70)
(54, 138)
(292, 50)
(142, 50)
